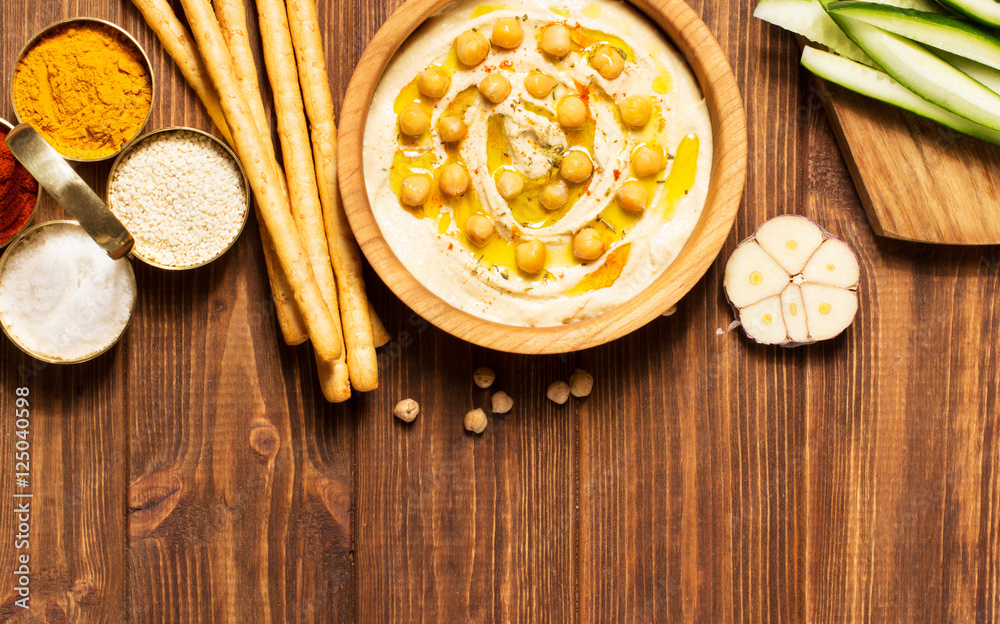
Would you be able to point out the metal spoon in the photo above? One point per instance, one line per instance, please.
(66, 187)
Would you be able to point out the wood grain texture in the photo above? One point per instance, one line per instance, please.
(195, 474)
(725, 188)
(260, 527)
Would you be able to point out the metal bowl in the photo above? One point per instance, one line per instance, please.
(45, 357)
(7, 127)
(129, 38)
(243, 176)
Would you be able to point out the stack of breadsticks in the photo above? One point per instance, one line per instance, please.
(313, 262)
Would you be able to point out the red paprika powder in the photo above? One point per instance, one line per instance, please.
(18, 193)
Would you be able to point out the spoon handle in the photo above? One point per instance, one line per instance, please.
(66, 187)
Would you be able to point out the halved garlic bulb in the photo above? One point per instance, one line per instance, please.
(792, 283)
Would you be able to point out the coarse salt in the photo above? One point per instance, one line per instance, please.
(182, 197)
(61, 296)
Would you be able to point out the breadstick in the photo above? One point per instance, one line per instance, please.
(381, 334)
(232, 18)
(262, 171)
(233, 21)
(175, 40)
(290, 321)
(293, 131)
(344, 252)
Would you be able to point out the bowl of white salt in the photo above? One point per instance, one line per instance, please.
(63, 300)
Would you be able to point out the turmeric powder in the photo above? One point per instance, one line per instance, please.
(85, 88)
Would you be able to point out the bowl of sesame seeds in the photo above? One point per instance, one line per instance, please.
(183, 195)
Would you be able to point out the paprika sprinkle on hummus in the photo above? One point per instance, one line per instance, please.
(85, 86)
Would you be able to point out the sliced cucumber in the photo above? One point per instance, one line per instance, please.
(987, 76)
(924, 73)
(809, 19)
(879, 85)
(985, 11)
(950, 34)
(917, 5)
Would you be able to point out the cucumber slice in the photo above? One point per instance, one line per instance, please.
(809, 19)
(985, 11)
(928, 6)
(950, 34)
(880, 86)
(927, 75)
(987, 76)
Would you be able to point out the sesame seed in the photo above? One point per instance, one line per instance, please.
(181, 195)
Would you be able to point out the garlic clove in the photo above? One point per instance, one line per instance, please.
(793, 313)
(752, 275)
(763, 321)
(833, 264)
(829, 310)
(790, 239)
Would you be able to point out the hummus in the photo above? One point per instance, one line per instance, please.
(528, 135)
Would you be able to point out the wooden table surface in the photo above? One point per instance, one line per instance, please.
(195, 474)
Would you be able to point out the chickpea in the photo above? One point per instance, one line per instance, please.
(476, 421)
(608, 62)
(495, 88)
(433, 82)
(478, 229)
(484, 377)
(576, 167)
(416, 189)
(472, 48)
(554, 196)
(451, 129)
(647, 161)
(539, 85)
(454, 180)
(581, 383)
(501, 402)
(412, 120)
(558, 392)
(530, 256)
(406, 410)
(507, 33)
(587, 244)
(555, 40)
(635, 110)
(633, 196)
(510, 184)
(572, 112)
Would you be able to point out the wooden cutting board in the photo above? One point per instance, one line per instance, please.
(918, 180)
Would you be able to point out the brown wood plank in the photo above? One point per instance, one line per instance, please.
(76, 539)
(454, 527)
(902, 478)
(240, 482)
(689, 484)
(77, 440)
(458, 527)
(240, 494)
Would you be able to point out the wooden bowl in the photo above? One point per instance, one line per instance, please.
(696, 43)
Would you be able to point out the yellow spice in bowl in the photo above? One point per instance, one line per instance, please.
(85, 87)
